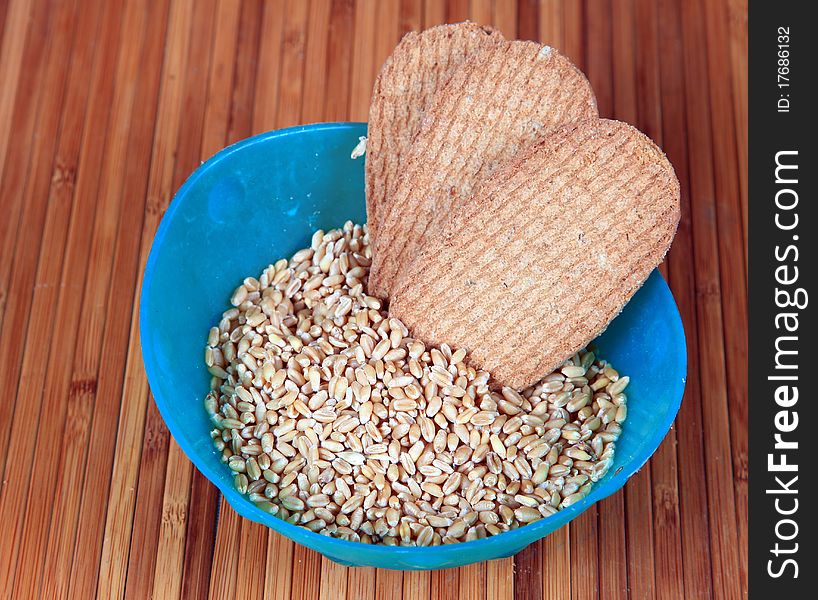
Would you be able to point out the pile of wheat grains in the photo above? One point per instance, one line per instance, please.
(333, 418)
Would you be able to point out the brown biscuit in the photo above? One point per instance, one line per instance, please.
(419, 66)
(500, 101)
(547, 251)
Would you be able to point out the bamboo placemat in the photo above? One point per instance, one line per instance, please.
(107, 106)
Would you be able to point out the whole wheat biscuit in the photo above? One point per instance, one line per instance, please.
(546, 252)
(497, 103)
(419, 66)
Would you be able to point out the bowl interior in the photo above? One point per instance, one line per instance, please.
(260, 200)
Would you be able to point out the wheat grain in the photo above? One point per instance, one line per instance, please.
(332, 417)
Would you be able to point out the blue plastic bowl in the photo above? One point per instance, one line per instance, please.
(260, 200)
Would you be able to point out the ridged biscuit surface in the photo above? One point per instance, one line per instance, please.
(500, 101)
(419, 66)
(546, 252)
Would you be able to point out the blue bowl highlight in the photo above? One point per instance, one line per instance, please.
(260, 200)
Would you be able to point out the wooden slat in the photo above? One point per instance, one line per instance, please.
(623, 50)
(727, 170)
(654, 566)
(112, 288)
(75, 232)
(387, 35)
(240, 124)
(528, 573)
(339, 62)
(598, 53)
(434, 13)
(573, 27)
(333, 580)
(456, 11)
(222, 62)
(269, 70)
(14, 168)
(445, 584)
(122, 495)
(363, 64)
(417, 585)
(226, 556)
(360, 583)
(11, 61)
(51, 34)
(291, 87)
(315, 77)
(35, 282)
(640, 566)
(556, 564)
(482, 12)
(528, 20)
(726, 152)
(613, 559)
(505, 17)
(388, 585)
(411, 16)
(252, 561)
(170, 550)
(307, 564)
(472, 581)
(255, 538)
(645, 33)
(141, 553)
(4, 9)
(687, 574)
(76, 395)
(675, 572)
(719, 471)
(585, 555)
(551, 24)
(732, 266)
(200, 538)
(500, 579)
(737, 22)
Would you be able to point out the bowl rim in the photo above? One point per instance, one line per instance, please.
(515, 539)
